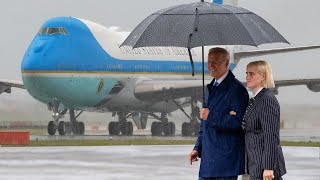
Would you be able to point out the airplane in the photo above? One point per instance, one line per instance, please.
(75, 65)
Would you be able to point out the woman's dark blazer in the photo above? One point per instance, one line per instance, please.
(262, 129)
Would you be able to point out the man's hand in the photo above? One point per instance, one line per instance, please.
(233, 113)
(268, 174)
(193, 156)
(204, 112)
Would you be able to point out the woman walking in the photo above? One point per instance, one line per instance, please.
(265, 159)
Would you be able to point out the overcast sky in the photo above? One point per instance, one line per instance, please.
(296, 20)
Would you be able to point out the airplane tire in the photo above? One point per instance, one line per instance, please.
(123, 128)
(183, 129)
(190, 129)
(114, 129)
(172, 128)
(169, 128)
(81, 128)
(51, 128)
(126, 128)
(196, 129)
(166, 129)
(186, 129)
(75, 129)
(68, 128)
(157, 128)
(129, 128)
(62, 128)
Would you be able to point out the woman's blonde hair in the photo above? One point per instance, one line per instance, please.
(264, 69)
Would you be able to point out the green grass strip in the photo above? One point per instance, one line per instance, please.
(137, 141)
(305, 144)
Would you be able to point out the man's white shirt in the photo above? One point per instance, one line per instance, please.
(222, 78)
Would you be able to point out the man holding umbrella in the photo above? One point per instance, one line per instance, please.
(220, 143)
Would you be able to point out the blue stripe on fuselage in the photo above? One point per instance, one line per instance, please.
(218, 1)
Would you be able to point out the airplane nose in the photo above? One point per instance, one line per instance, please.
(36, 54)
(39, 47)
(32, 59)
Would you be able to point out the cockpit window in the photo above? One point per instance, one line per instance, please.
(51, 31)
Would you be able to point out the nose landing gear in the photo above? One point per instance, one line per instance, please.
(73, 127)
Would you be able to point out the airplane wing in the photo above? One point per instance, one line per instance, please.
(312, 84)
(6, 85)
(246, 54)
(159, 90)
(296, 82)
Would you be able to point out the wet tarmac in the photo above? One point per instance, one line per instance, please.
(128, 162)
(312, 135)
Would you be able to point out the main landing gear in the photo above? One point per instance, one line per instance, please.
(122, 126)
(163, 127)
(191, 128)
(125, 128)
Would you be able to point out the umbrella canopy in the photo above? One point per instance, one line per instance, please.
(203, 24)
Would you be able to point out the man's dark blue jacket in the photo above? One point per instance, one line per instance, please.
(221, 139)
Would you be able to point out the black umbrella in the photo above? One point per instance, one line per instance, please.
(202, 24)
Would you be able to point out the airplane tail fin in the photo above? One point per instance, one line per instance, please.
(226, 2)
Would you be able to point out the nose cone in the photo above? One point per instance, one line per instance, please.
(35, 57)
(39, 47)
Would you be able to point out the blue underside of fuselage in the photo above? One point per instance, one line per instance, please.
(73, 92)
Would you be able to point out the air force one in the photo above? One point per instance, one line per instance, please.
(74, 65)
